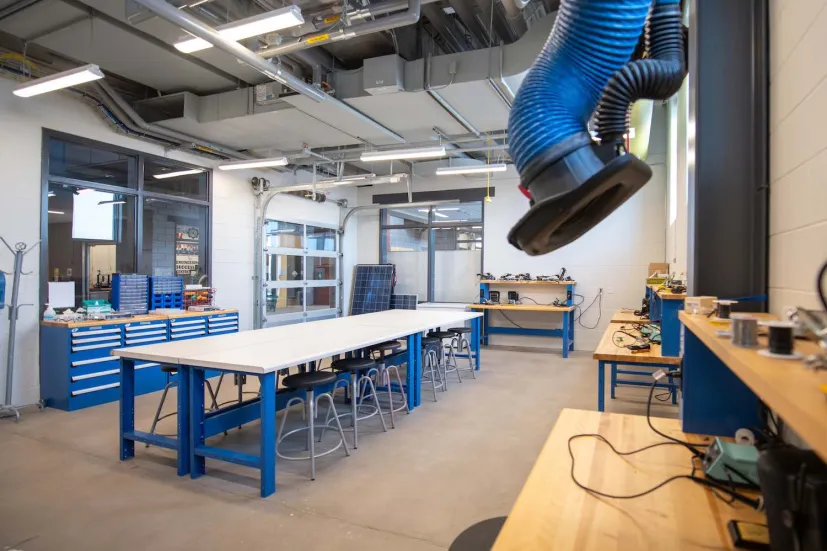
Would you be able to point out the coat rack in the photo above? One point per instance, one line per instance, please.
(19, 251)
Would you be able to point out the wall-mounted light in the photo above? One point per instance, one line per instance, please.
(64, 79)
(283, 18)
(165, 175)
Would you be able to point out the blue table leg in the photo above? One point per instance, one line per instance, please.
(571, 329)
(613, 381)
(601, 384)
(197, 462)
(411, 378)
(418, 374)
(184, 451)
(127, 407)
(475, 342)
(674, 391)
(565, 335)
(485, 321)
(670, 327)
(268, 434)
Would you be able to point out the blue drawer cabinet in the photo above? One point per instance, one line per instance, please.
(78, 371)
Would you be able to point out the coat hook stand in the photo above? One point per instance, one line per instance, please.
(19, 250)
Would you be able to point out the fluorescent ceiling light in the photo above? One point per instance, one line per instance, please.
(284, 18)
(347, 179)
(86, 190)
(51, 194)
(165, 175)
(423, 210)
(394, 154)
(437, 213)
(481, 169)
(476, 227)
(57, 81)
(112, 202)
(447, 209)
(56, 212)
(254, 163)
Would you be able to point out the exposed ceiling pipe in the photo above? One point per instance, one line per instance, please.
(382, 8)
(443, 102)
(514, 15)
(166, 133)
(407, 17)
(198, 29)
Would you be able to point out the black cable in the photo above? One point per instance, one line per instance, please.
(579, 318)
(820, 285)
(691, 447)
(529, 298)
(511, 320)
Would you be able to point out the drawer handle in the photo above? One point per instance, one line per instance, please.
(227, 318)
(96, 361)
(224, 324)
(145, 327)
(187, 328)
(95, 331)
(93, 375)
(146, 333)
(188, 322)
(95, 389)
(190, 334)
(148, 339)
(223, 329)
(96, 346)
(96, 339)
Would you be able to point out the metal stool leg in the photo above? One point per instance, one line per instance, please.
(401, 390)
(160, 407)
(373, 395)
(452, 356)
(332, 407)
(428, 368)
(463, 343)
(386, 380)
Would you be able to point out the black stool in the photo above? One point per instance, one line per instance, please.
(430, 364)
(462, 342)
(361, 370)
(480, 536)
(448, 361)
(172, 370)
(385, 349)
(308, 382)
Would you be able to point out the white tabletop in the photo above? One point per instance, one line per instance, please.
(266, 350)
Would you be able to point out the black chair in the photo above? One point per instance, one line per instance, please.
(361, 388)
(309, 382)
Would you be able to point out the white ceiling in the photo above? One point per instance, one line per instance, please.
(411, 114)
(477, 102)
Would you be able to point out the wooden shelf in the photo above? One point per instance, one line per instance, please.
(608, 351)
(90, 323)
(509, 282)
(786, 386)
(552, 512)
(523, 307)
(627, 316)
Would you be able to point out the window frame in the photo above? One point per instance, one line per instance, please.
(137, 191)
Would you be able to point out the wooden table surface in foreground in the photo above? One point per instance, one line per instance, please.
(552, 513)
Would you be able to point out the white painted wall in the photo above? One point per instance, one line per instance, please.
(21, 125)
(614, 255)
(798, 151)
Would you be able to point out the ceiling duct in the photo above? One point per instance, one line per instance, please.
(198, 29)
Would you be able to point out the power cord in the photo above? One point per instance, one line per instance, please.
(599, 300)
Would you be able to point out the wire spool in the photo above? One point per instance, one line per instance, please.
(781, 343)
(744, 330)
(725, 308)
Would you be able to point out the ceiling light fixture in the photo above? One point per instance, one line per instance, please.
(112, 202)
(396, 154)
(481, 169)
(57, 81)
(344, 180)
(447, 209)
(56, 212)
(437, 213)
(476, 227)
(254, 163)
(165, 175)
(51, 194)
(283, 18)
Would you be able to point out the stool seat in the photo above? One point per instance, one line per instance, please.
(387, 346)
(309, 380)
(353, 364)
(442, 334)
(429, 340)
(169, 369)
(459, 330)
(480, 536)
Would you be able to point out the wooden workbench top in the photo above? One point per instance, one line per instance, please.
(90, 323)
(187, 314)
(553, 514)
(786, 386)
(608, 350)
(522, 307)
(523, 282)
(627, 316)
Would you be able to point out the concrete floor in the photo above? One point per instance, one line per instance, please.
(446, 466)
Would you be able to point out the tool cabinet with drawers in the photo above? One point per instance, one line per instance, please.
(77, 369)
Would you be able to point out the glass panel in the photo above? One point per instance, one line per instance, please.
(321, 268)
(462, 238)
(156, 179)
(91, 235)
(283, 234)
(319, 298)
(462, 212)
(283, 301)
(406, 240)
(284, 267)
(455, 275)
(321, 239)
(416, 216)
(175, 240)
(91, 163)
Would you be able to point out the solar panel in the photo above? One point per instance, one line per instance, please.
(371, 288)
(404, 302)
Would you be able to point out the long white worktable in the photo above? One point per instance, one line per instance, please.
(262, 353)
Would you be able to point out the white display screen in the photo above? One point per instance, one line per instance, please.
(90, 218)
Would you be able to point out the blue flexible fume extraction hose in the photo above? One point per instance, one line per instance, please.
(572, 181)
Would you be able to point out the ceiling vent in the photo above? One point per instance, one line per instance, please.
(384, 75)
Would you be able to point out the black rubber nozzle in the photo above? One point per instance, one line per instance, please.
(572, 195)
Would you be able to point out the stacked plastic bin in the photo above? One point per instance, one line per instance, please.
(130, 293)
(166, 292)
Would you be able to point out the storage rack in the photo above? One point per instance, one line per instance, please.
(166, 292)
(130, 293)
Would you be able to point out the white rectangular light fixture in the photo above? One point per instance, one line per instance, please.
(283, 18)
(52, 194)
(447, 209)
(112, 202)
(254, 163)
(165, 175)
(481, 169)
(64, 79)
(56, 212)
(344, 180)
(395, 154)
(437, 213)
(476, 227)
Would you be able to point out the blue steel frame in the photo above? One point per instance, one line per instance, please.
(615, 382)
(566, 333)
(195, 425)
(665, 312)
